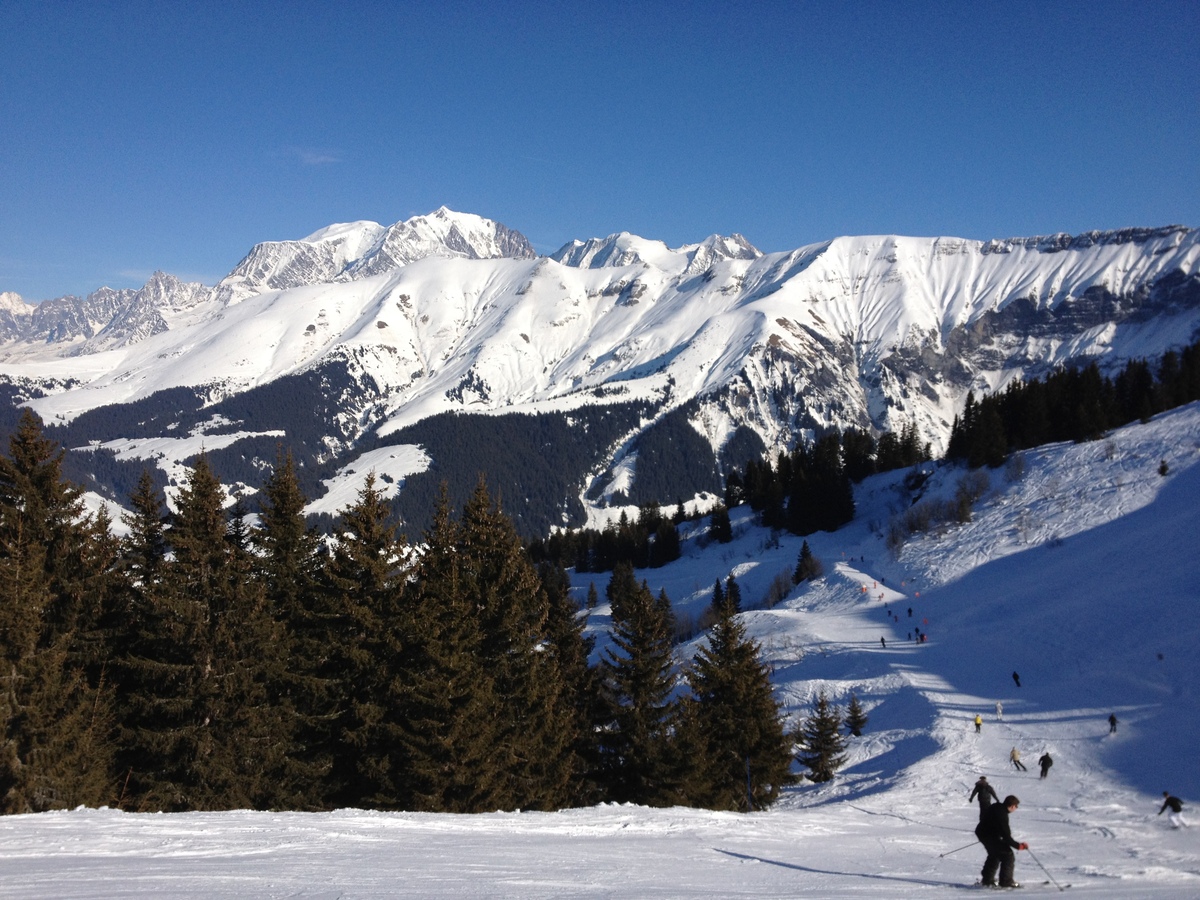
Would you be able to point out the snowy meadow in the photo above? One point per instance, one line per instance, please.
(1077, 571)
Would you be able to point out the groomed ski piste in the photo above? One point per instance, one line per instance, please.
(1078, 571)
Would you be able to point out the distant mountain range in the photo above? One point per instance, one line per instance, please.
(349, 342)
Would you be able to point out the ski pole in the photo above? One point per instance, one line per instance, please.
(1044, 869)
(948, 852)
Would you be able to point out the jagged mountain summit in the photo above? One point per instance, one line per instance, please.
(372, 332)
(361, 249)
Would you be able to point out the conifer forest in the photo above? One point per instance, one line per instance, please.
(204, 663)
(212, 659)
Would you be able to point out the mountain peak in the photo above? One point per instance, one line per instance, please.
(352, 250)
(362, 232)
(14, 303)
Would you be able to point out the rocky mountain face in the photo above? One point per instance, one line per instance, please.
(370, 331)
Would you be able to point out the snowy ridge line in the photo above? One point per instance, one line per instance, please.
(871, 332)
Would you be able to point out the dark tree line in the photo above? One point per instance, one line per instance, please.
(201, 662)
(1071, 404)
(810, 488)
(673, 460)
(535, 462)
(649, 541)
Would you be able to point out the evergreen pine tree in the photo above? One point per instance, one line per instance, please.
(219, 737)
(580, 687)
(718, 598)
(744, 755)
(733, 595)
(639, 760)
(149, 661)
(449, 727)
(363, 580)
(988, 444)
(536, 720)
(55, 724)
(856, 717)
(735, 489)
(858, 452)
(820, 740)
(721, 529)
(808, 567)
(288, 565)
(51, 508)
(665, 547)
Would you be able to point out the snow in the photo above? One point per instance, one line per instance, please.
(1077, 571)
(175, 456)
(622, 313)
(391, 466)
(360, 235)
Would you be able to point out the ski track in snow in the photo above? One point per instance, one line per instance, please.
(1076, 571)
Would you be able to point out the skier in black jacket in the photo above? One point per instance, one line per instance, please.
(1046, 762)
(986, 793)
(993, 832)
(1176, 806)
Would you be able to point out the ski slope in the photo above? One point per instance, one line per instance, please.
(1077, 571)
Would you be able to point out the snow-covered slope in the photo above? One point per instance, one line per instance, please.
(1076, 571)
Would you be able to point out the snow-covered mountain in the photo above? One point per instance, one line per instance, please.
(453, 313)
(362, 249)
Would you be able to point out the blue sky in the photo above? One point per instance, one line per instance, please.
(174, 136)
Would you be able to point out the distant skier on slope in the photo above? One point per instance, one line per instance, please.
(994, 833)
(1045, 762)
(1017, 679)
(978, 722)
(1014, 757)
(986, 794)
(1176, 806)
(1112, 723)
(999, 710)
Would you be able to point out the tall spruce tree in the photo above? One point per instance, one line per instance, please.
(55, 724)
(641, 765)
(856, 717)
(224, 753)
(821, 742)
(745, 756)
(733, 594)
(536, 720)
(808, 567)
(580, 685)
(288, 564)
(449, 727)
(363, 578)
(721, 528)
(148, 660)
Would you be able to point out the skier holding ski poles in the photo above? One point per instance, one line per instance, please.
(994, 833)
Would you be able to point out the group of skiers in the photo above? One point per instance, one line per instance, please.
(993, 829)
(921, 636)
(1045, 761)
(995, 833)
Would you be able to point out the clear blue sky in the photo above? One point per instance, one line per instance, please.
(170, 135)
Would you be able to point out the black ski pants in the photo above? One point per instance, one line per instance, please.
(1000, 856)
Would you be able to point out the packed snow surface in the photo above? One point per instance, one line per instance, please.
(1076, 572)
